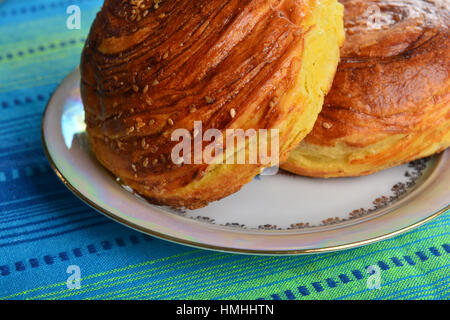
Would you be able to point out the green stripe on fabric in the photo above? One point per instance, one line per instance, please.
(101, 274)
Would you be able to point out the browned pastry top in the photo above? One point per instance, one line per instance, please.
(395, 68)
(173, 71)
(150, 67)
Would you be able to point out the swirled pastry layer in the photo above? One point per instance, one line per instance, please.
(151, 67)
(390, 100)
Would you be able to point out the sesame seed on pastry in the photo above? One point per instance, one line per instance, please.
(151, 67)
(390, 100)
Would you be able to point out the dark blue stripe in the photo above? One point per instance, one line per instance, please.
(435, 251)
(397, 261)
(344, 278)
(41, 7)
(383, 265)
(303, 291)
(11, 55)
(409, 260)
(78, 205)
(91, 248)
(77, 252)
(106, 245)
(4, 270)
(83, 212)
(421, 256)
(7, 244)
(317, 286)
(289, 295)
(134, 239)
(358, 275)
(19, 266)
(48, 259)
(34, 262)
(17, 234)
(331, 283)
(21, 120)
(38, 199)
(120, 242)
(63, 256)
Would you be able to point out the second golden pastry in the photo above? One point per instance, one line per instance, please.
(390, 100)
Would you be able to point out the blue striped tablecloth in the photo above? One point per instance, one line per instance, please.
(44, 228)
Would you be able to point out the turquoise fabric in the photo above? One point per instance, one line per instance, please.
(44, 229)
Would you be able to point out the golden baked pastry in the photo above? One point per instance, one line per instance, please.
(390, 100)
(151, 67)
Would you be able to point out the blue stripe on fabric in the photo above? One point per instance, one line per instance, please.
(221, 286)
(415, 287)
(58, 203)
(422, 256)
(19, 266)
(45, 210)
(334, 265)
(49, 228)
(409, 260)
(434, 251)
(383, 266)
(446, 247)
(54, 218)
(48, 46)
(331, 283)
(4, 270)
(289, 294)
(344, 278)
(317, 286)
(243, 262)
(77, 252)
(33, 197)
(432, 295)
(397, 261)
(63, 256)
(395, 281)
(303, 291)
(16, 13)
(34, 262)
(13, 243)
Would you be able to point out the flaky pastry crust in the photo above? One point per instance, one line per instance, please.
(390, 100)
(151, 67)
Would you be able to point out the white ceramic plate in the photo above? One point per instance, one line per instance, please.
(281, 214)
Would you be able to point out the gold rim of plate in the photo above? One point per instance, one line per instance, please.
(215, 247)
